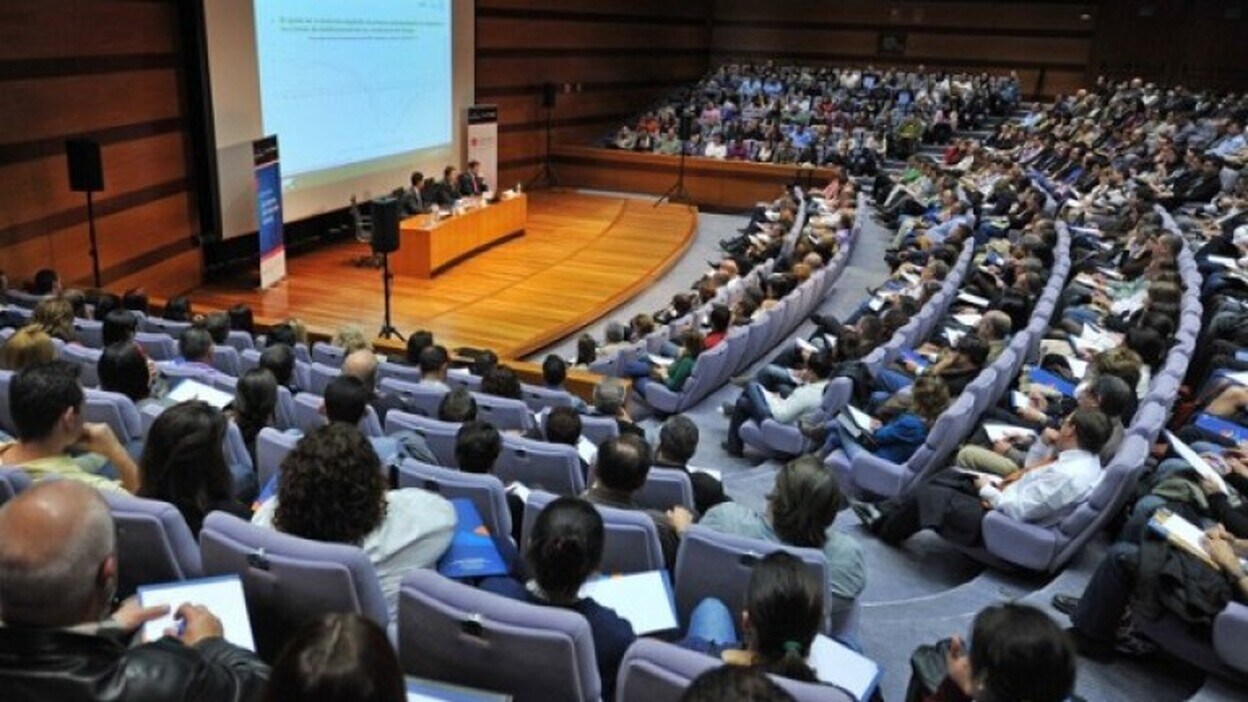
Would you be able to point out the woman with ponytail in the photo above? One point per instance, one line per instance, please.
(184, 464)
(783, 613)
(800, 510)
(564, 550)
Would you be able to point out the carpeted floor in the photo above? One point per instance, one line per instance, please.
(926, 590)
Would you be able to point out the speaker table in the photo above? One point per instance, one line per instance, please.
(427, 247)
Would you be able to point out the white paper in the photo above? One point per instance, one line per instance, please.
(519, 490)
(831, 340)
(1180, 529)
(1020, 399)
(876, 304)
(996, 432)
(1241, 377)
(806, 346)
(837, 664)
(1224, 261)
(637, 597)
(861, 419)
(190, 389)
(968, 318)
(223, 596)
(973, 299)
(1193, 459)
(661, 360)
(1077, 367)
(953, 336)
(586, 450)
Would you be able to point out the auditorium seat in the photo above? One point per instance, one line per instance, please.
(438, 435)
(540, 465)
(486, 491)
(154, 544)
(289, 581)
(630, 542)
(457, 634)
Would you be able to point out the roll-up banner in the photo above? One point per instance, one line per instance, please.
(268, 186)
(483, 143)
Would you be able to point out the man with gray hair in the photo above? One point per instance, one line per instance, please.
(609, 400)
(58, 575)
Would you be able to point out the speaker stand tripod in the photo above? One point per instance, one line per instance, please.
(546, 174)
(387, 329)
(677, 192)
(92, 248)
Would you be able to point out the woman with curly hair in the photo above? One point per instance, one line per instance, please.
(331, 488)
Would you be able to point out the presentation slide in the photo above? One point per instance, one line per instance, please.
(359, 94)
(346, 82)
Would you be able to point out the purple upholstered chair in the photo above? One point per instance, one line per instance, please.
(154, 545)
(539, 398)
(458, 634)
(424, 399)
(706, 369)
(322, 375)
(158, 346)
(398, 371)
(308, 415)
(289, 581)
(226, 359)
(87, 359)
(240, 340)
(656, 671)
(540, 465)
(118, 412)
(1046, 547)
(89, 332)
(440, 436)
(503, 412)
(328, 354)
(666, 488)
(486, 491)
(164, 326)
(1222, 654)
(12, 481)
(598, 429)
(271, 449)
(631, 542)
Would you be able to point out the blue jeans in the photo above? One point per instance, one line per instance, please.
(891, 380)
(839, 438)
(711, 621)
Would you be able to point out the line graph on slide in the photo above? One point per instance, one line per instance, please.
(345, 82)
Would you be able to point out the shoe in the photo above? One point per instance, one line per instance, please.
(1132, 644)
(738, 452)
(867, 513)
(1091, 649)
(727, 408)
(1066, 604)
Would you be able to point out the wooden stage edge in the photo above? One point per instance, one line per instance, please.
(580, 258)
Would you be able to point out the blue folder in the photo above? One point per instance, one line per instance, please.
(1227, 430)
(916, 358)
(472, 553)
(1043, 377)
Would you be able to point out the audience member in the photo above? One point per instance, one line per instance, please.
(457, 406)
(678, 442)
(59, 641)
(123, 368)
(184, 464)
(55, 317)
(52, 438)
(734, 683)
(119, 325)
(337, 658)
(331, 488)
(28, 346)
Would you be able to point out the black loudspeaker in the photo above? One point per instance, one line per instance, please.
(549, 91)
(385, 214)
(685, 131)
(86, 171)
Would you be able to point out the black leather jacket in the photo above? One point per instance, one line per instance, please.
(40, 665)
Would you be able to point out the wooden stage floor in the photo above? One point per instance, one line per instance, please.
(581, 256)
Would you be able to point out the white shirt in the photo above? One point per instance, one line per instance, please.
(714, 150)
(415, 532)
(1046, 491)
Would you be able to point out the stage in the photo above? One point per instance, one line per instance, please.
(580, 257)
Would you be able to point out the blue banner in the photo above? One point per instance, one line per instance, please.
(268, 187)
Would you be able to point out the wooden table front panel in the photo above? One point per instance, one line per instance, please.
(426, 247)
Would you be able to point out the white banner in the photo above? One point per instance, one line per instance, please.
(483, 143)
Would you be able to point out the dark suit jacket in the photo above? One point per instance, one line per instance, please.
(446, 193)
(413, 202)
(466, 183)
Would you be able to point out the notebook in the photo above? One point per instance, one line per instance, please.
(1181, 533)
(1196, 461)
(222, 595)
(1039, 376)
(472, 553)
(189, 389)
(644, 599)
(840, 665)
(1221, 427)
(997, 432)
(975, 300)
(916, 358)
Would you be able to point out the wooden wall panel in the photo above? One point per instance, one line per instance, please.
(613, 57)
(107, 69)
(113, 28)
(996, 37)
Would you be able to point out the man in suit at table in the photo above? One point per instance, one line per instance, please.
(413, 201)
(447, 190)
(471, 184)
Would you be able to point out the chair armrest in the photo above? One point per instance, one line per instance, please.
(877, 475)
(1029, 545)
(1230, 631)
(783, 438)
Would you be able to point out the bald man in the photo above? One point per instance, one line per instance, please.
(362, 364)
(58, 574)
